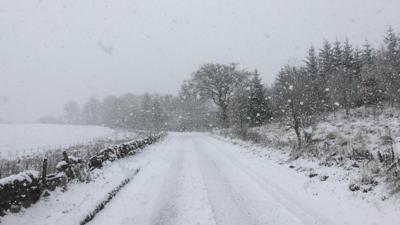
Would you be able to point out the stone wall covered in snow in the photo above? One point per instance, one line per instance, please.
(25, 188)
(18, 190)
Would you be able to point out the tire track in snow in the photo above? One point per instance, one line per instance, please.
(107, 199)
(225, 207)
(167, 210)
(251, 206)
(136, 203)
(184, 199)
(305, 214)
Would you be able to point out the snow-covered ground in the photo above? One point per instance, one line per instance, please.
(194, 178)
(23, 139)
(345, 149)
(339, 133)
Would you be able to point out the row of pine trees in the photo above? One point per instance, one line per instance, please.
(338, 76)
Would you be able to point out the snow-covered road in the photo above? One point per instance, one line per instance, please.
(198, 179)
(195, 178)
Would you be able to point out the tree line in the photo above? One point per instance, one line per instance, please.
(338, 76)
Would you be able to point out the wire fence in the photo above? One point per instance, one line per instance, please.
(32, 159)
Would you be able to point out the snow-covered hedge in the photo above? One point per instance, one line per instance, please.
(25, 188)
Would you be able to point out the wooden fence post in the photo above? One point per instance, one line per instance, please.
(68, 171)
(44, 172)
(66, 159)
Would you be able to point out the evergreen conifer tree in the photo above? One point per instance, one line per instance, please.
(257, 108)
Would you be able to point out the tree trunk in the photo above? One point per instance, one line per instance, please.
(297, 130)
(224, 116)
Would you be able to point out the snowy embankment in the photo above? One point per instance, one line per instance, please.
(357, 154)
(18, 140)
(344, 134)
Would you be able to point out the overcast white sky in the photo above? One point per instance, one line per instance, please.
(52, 51)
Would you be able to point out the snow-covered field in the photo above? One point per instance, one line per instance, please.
(24, 139)
(193, 178)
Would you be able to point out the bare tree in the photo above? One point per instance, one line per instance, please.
(295, 99)
(195, 112)
(218, 82)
